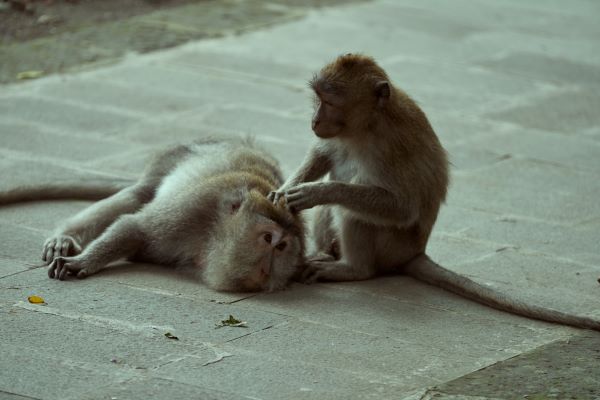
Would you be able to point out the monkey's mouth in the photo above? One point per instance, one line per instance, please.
(334, 131)
(324, 135)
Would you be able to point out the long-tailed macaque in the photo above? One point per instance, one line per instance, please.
(388, 176)
(202, 204)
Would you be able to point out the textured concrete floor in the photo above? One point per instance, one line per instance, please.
(511, 88)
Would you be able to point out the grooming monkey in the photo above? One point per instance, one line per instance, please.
(202, 204)
(388, 175)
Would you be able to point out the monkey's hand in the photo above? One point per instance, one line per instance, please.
(59, 246)
(304, 196)
(78, 265)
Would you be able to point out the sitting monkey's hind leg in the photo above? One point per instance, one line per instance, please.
(357, 257)
(122, 239)
(324, 236)
(78, 231)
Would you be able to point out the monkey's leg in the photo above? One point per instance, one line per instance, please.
(357, 256)
(87, 225)
(120, 240)
(324, 236)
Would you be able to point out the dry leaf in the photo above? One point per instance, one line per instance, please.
(36, 300)
(29, 74)
(171, 336)
(231, 321)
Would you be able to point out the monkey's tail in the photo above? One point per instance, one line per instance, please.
(424, 269)
(76, 190)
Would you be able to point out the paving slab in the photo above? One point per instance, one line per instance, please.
(564, 369)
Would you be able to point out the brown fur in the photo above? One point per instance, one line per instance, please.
(387, 178)
(387, 171)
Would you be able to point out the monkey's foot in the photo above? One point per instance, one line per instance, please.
(321, 257)
(316, 269)
(60, 267)
(334, 271)
(59, 246)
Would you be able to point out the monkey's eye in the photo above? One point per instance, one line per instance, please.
(268, 237)
(281, 246)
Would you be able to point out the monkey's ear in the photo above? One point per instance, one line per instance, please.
(232, 202)
(382, 91)
(233, 207)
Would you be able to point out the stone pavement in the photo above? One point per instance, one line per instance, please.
(511, 88)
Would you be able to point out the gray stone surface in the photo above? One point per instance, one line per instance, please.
(511, 90)
(559, 370)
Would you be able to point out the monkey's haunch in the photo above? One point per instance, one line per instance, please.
(425, 270)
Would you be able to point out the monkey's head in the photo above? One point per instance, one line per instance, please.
(261, 246)
(348, 94)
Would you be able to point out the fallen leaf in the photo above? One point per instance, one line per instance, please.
(36, 300)
(231, 321)
(29, 74)
(171, 336)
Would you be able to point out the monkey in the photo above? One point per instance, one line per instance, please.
(202, 205)
(388, 175)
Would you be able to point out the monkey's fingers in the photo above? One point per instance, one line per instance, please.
(48, 254)
(275, 196)
(60, 267)
(74, 266)
(82, 267)
(59, 246)
(297, 201)
(62, 270)
(52, 268)
(48, 250)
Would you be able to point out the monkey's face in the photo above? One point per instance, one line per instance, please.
(260, 248)
(347, 94)
(272, 257)
(327, 120)
(263, 255)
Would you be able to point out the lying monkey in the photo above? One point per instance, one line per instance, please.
(202, 204)
(388, 176)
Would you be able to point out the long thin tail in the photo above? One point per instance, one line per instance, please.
(76, 190)
(424, 269)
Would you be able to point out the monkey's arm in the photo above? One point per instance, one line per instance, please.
(78, 231)
(375, 203)
(120, 240)
(317, 163)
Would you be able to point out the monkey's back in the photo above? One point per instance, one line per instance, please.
(186, 208)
